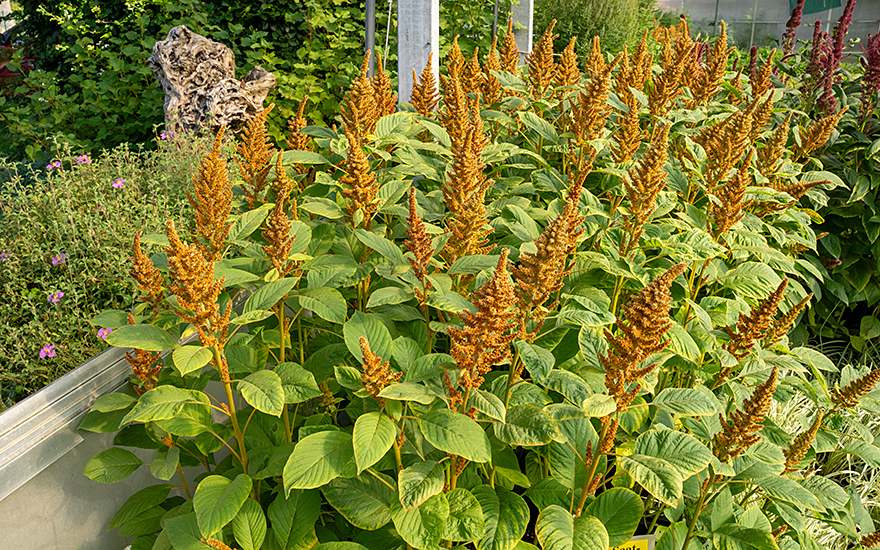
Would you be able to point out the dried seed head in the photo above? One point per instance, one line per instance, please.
(817, 134)
(509, 50)
(642, 186)
(779, 531)
(149, 279)
(255, 151)
(643, 326)
(799, 446)
(377, 375)
(359, 109)
(359, 181)
(386, 100)
(542, 67)
(484, 341)
(849, 396)
(212, 202)
(740, 430)
(424, 96)
(146, 367)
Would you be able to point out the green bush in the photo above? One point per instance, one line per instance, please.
(616, 23)
(73, 214)
(493, 327)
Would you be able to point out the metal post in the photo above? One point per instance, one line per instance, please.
(370, 43)
(524, 15)
(754, 20)
(715, 23)
(418, 35)
(495, 21)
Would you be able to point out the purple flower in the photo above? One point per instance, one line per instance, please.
(100, 208)
(47, 351)
(118, 183)
(55, 296)
(83, 159)
(102, 333)
(166, 135)
(59, 259)
(3, 256)
(56, 164)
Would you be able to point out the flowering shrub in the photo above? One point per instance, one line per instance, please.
(62, 232)
(530, 309)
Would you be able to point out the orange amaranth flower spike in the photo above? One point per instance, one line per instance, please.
(484, 341)
(643, 326)
(359, 109)
(419, 243)
(492, 88)
(277, 233)
(359, 181)
(509, 50)
(642, 186)
(799, 446)
(740, 430)
(377, 375)
(254, 154)
(542, 67)
(295, 140)
(212, 202)
(424, 96)
(149, 279)
(849, 396)
(386, 100)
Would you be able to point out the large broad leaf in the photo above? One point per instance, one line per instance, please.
(249, 526)
(247, 223)
(193, 418)
(620, 511)
(409, 391)
(270, 294)
(157, 404)
(318, 459)
(294, 156)
(736, 537)
(262, 390)
(526, 425)
(486, 403)
(298, 384)
(567, 458)
(685, 401)
(218, 500)
(506, 516)
(422, 527)
(364, 500)
(537, 360)
(164, 466)
(112, 465)
(456, 434)
(570, 385)
(191, 358)
(380, 244)
(141, 501)
(683, 451)
(326, 302)
(752, 279)
(293, 519)
(183, 533)
(374, 434)
(657, 476)
(556, 529)
(598, 405)
(465, 521)
(362, 325)
(789, 491)
(145, 337)
(419, 482)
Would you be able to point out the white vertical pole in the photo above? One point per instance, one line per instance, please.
(418, 35)
(523, 14)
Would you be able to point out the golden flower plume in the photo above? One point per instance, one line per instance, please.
(491, 85)
(194, 285)
(676, 57)
(542, 67)
(643, 326)
(145, 366)
(770, 155)
(760, 81)
(740, 430)
(541, 273)
(783, 324)
(567, 72)
(212, 202)
(295, 140)
(424, 96)
(359, 109)
(377, 375)
(725, 143)
(484, 340)
(214, 543)
(359, 181)
(870, 541)
(797, 449)
(149, 279)
(729, 208)
(642, 186)
(255, 151)
(817, 134)
(386, 100)
(277, 233)
(710, 78)
(509, 50)
(472, 77)
(756, 325)
(591, 109)
(849, 396)
(419, 243)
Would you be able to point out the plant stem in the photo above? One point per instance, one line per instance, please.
(239, 435)
(593, 466)
(288, 435)
(700, 504)
(183, 481)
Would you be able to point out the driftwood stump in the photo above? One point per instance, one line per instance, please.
(198, 77)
